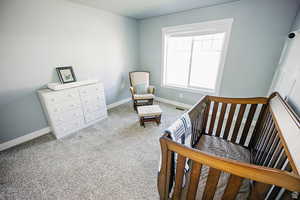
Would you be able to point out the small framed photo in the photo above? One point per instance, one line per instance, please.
(66, 74)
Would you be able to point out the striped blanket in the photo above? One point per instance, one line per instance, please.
(181, 130)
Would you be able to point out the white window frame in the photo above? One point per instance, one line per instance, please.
(207, 27)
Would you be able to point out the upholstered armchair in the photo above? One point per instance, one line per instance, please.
(142, 93)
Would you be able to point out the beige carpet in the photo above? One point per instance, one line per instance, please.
(113, 159)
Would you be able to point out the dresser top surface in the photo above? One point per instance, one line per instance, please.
(47, 90)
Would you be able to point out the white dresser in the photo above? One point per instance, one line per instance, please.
(70, 110)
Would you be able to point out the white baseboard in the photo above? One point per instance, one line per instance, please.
(163, 100)
(24, 138)
(175, 103)
(118, 103)
(38, 133)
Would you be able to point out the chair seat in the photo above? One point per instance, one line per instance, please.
(149, 111)
(143, 96)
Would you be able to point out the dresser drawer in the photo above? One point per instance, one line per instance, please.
(100, 105)
(61, 97)
(91, 91)
(92, 116)
(56, 109)
(64, 129)
(53, 98)
(66, 117)
(93, 100)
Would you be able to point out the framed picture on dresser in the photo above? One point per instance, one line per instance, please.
(66, 74)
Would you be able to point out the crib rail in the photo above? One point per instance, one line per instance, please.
(233, 119)
(238, 171)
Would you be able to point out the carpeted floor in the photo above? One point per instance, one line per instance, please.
(113, 159)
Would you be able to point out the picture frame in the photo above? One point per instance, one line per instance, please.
(66, 74)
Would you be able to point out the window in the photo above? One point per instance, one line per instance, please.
(194, 55)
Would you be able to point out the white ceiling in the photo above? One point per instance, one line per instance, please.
(141, 9)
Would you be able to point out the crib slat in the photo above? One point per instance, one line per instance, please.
(165, 171)
(275, 155)
(273, 192)
(262, 131)
(233, 186)
(179, 176)
(248, 123)
(259, 190)
(270, 125)
(206, 114)
(229, 121)
(259, 122)
(268, 137)
(194, 181)
(272, 150)
(194, 130)
(263, 137)
(213, 118)
(281, 161)
(221, 119)
(238, 123)
(211, 183)
(261, 148)
(267, 147)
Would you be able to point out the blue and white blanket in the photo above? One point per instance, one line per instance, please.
(181, 130)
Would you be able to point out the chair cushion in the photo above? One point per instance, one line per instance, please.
(143, 96)
(149, 111)
(222, 148)
(141, 88)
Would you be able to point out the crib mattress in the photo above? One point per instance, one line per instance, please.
(225, 149)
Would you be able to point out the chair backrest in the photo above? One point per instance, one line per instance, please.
(139, 77)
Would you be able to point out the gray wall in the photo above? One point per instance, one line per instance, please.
(296, 25)
(38, 35)
(258, 34)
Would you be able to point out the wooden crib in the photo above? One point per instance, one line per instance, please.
(267, 127)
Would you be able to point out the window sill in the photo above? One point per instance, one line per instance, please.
(192, 90)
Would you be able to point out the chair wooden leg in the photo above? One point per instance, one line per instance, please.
(142, 123)
(151, 101)
(158, 120)
(134, 105)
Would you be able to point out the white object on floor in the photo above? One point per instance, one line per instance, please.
(72, 109)
(60, 86)
(149, 111)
